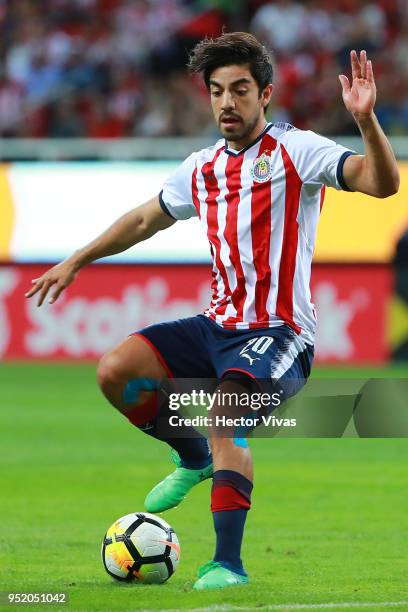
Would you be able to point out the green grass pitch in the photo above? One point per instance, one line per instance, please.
(328, 523)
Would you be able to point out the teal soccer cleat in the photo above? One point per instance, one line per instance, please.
(171, 491)
(213, 575)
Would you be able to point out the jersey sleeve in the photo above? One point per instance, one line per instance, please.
(318, 160)
(176, 196)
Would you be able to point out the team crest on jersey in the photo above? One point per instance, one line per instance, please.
(262, 169)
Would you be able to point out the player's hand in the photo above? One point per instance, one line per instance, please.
(359, 99)
(58, 278)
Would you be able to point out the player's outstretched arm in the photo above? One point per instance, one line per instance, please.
(376, 172)
(133, 227)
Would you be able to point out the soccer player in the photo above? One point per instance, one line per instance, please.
(258, 193)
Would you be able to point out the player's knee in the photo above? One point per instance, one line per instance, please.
(110, 371)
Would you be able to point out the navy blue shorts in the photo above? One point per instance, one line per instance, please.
(196, 347)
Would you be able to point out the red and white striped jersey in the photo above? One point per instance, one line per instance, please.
(259, 208)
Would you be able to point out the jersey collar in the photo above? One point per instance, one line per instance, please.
(251, 144)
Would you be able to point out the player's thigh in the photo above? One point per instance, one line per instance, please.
(130, 359)
(276, 358)
(183, 347)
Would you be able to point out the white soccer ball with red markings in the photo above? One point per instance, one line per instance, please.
(140, 547)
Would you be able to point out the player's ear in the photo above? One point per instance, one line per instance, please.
(266, 95)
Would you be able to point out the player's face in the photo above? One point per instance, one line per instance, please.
(237, 105)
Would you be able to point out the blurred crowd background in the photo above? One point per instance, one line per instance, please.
(116, 68)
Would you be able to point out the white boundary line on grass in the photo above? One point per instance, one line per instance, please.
(267, 608)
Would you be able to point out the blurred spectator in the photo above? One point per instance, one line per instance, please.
(102, 123)
(42, 78)
(114, 68)
(280, 25)
(11, 107)
(64, 122)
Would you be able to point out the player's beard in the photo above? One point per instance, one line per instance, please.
(241, 131)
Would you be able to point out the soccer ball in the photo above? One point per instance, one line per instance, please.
(140, 547)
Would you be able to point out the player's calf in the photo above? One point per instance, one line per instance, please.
(230, 502)
(230, 495)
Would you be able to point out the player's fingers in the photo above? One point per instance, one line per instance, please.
(370, 73)
(55, 295)
(363, 64)
(345, 83)
(36, 287)
(44, 291)
(355, 65)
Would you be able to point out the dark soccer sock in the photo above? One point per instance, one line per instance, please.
(230, 502)
(194, 453)
(192, 447)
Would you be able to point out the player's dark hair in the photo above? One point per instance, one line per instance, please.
(232, 48)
